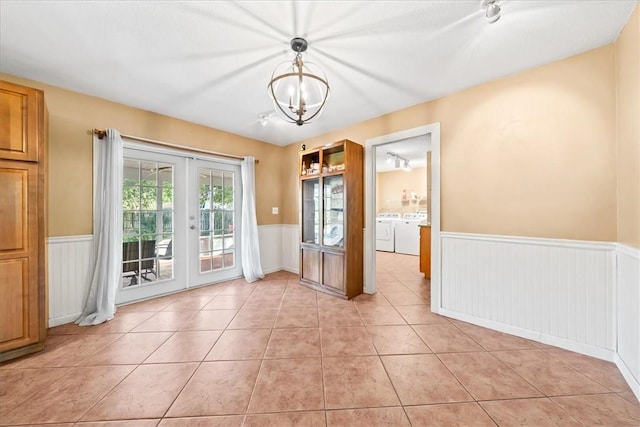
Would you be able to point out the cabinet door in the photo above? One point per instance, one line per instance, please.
(333, 271)
(310, 264)
(19, 314)
(425, 251)
(19, 130)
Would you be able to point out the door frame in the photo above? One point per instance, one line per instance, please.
(433, 130)
(141, 146)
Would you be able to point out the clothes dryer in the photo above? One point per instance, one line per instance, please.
(407, 233)
(385, 231)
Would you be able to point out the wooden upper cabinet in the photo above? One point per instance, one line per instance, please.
(21, 109)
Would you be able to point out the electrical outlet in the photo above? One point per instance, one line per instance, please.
(274, 211)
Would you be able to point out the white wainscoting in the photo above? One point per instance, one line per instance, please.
(270, 237)
(70, 259)
(556, 291)
(628, 315)
(279, 247)
(69, 263)
(291, 248)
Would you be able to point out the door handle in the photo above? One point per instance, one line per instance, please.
(193, 227)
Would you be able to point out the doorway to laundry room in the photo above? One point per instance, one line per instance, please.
(403, 209)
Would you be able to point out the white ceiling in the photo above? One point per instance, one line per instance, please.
(209, 62)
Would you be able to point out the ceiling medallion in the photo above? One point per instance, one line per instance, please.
(299, 90)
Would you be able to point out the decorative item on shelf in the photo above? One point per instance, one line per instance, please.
(315, 168)
(304, 168)
(325, 167)
(333, 236)
(405, 198)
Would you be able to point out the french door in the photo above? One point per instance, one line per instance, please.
(214, 222)
(181, 220)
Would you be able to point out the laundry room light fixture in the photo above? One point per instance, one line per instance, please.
(398, 161)
(491, 10)
(298, 90)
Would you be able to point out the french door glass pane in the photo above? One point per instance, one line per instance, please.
(217, 229)
(147, 222)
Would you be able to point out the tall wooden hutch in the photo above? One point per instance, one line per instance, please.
(22, 220)
(332, 218)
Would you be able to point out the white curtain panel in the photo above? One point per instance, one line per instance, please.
(100, 305)
(250, 247)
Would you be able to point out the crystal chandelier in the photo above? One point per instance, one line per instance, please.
(299, 91)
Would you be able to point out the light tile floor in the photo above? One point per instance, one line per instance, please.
(274, 353)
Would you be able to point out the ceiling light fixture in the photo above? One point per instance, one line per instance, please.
(491, 10)
(398, 161)
(298, 91)
(264, 119)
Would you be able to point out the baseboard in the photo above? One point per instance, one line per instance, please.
(599, 353)
(634, 384)
(63, 320)
(271, 270)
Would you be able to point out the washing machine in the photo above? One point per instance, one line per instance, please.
(385, 231)
(407, 233)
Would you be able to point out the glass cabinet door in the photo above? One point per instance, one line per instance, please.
(333, 211)
(311, 211)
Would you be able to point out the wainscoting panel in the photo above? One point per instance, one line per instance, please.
(270, 247)
(69, 262)
(291, 248)
(70, 259)
(555, 291)
(629, 310)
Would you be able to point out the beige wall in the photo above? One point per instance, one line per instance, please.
(628, 131)
(391, 184)
(291, 185)
(532, 154)
(71, 115)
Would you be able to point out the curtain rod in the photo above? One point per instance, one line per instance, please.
(101, 134)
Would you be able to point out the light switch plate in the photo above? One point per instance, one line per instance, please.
(274, 211)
